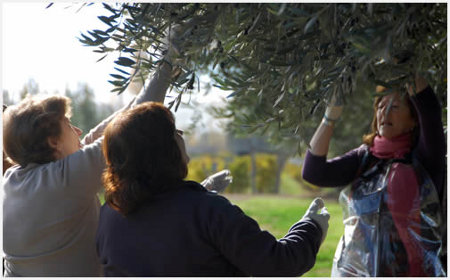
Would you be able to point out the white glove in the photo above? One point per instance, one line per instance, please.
(178, 36)
(172, 51)
(176, 39)
(321, 217)
(172, 41)
(218, 182)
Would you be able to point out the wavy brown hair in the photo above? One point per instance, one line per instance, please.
(142, 156)
(28, 125)
(368, 138)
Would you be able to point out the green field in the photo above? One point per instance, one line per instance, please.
(276, 214)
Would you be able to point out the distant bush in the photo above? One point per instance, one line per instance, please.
(197, 170)
(295, 171)
(266, 168)
(203, 166)
(240, 167)
(240, 170)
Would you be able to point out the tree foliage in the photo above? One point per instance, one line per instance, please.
(282, 61)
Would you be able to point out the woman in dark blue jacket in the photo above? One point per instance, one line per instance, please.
(156, 224)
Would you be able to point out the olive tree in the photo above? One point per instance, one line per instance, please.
(281, 61)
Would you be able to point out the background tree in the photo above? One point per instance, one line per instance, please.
(281, 61)
(86, 112)
(7, 99)
(31, 87)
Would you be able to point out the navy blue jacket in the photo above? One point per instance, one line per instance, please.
(192, 232)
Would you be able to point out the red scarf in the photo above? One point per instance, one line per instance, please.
(404, 197)
(396, 147)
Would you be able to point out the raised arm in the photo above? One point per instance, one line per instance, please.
(320, 141)
(83, 168)
(430, 149)
(154, 91)
(316, 168)
(157, 86)
(335, 172)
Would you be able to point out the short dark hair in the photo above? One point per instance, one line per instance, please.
(142, 156)
(28, 125)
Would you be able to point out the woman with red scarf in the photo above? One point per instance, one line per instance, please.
(392, 216)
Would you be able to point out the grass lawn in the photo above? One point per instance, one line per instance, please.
(276, 214)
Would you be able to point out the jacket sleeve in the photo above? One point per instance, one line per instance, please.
(257, 252)
(81, 172)
(335, 172)
(431, 148)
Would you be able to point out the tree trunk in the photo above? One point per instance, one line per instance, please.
(281, 162)
(253, 172)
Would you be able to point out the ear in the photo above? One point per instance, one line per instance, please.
(54, 143)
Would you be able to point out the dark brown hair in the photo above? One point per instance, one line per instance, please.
(142, 156)
(28, 125)
(368, 138)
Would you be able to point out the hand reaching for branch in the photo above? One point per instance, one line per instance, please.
(176, 40)
(334, 109)
(320, 141)
(421, 84)
(181, 36)
(172, 50)
(218, 181)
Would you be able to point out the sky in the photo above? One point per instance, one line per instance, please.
(41, 44)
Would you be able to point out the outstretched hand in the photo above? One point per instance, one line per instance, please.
(321, 217)
(172, 41)
(176, 40)
(334, 108)
(421, 84)
(171, 53)
(180, 36)
(218, 181)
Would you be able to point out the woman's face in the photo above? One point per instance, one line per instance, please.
(394, 116)
(69, 140)
(181, 145)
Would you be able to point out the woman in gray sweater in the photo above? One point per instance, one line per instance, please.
(50, 203)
